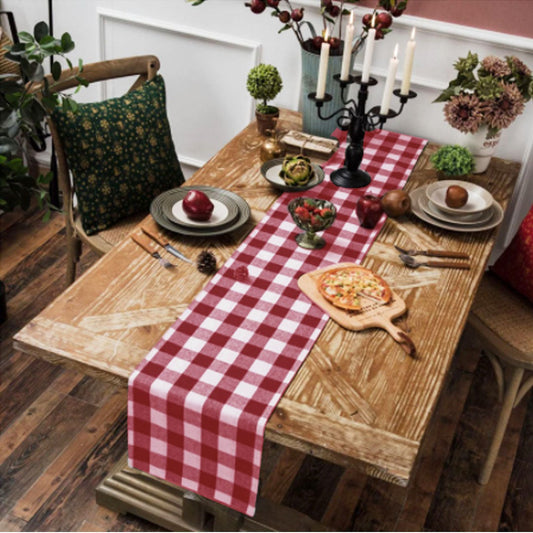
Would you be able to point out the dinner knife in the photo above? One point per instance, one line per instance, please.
(160, 239)
(434, 253)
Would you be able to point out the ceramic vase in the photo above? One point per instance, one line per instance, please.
(482, 147)
(312, 124)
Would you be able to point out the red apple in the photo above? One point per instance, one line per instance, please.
(368, 210)
(197, 205)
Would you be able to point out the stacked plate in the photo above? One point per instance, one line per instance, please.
(230, 212)
(481, 211)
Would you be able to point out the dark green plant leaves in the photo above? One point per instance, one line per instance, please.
(40, 31)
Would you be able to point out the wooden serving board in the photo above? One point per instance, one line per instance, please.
(372, 315)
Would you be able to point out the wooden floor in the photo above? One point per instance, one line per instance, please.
(61, 433)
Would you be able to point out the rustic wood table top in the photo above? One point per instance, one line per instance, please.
(358, 399)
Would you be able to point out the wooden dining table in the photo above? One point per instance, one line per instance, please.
(358, 400)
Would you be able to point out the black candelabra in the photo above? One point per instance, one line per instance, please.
(356, 120)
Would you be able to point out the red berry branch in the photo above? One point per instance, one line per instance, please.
(332, 11)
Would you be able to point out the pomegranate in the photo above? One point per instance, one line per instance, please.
(297, 14)
(257, 6)
(197, 205)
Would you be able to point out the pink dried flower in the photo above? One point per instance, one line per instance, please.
(496, 66)
(502, 111)
(464, 112)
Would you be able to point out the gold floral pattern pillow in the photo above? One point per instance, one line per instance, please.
(121, 154)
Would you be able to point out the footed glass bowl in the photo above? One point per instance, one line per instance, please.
(311, 215)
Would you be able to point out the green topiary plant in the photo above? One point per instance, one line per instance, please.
(264, 83)
(453, 160)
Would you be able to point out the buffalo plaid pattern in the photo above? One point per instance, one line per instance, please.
(199, 402)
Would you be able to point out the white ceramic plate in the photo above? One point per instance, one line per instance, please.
(466, 220)
(492, 222)
(218, 216)
(271, 169)
(479, 198)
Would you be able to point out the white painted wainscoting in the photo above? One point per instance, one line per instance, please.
(207, 51)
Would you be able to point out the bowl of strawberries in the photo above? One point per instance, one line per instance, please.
(311, 215)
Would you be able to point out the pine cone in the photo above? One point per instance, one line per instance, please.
(206, 262)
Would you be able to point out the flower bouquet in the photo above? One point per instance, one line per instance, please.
(486, 96)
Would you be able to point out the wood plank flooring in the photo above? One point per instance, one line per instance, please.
(61, 433)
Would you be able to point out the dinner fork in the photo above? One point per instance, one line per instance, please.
(146, 244)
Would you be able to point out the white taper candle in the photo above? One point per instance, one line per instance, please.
(408, 65)
(347, 55)
(369, 51)
(322, 69)
(389, 84)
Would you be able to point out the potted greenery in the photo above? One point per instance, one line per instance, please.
(453, 160)
(485, 97)
(288, 18)
(264, 84)
(25, 102)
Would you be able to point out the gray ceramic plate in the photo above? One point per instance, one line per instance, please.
(494, 220)
(270, 170)
(156, 210)
(225, 211)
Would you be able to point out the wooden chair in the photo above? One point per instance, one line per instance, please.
(503, 320)
(145, 68)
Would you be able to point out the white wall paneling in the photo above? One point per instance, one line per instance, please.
(205, 75)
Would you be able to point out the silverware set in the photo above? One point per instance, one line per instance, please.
(407, 257)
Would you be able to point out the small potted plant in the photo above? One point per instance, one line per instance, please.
(264, 84)
(453, 160)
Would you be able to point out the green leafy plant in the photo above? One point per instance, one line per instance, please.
(264, 83)
(25, 102)
(453, 160)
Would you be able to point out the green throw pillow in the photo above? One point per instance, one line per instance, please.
(121, 154)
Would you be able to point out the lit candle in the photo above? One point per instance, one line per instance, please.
(408, 65)
(323, 68)
(369, 51)
(389, 84)
(347, 55)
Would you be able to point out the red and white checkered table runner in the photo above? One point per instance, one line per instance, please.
(199, 402)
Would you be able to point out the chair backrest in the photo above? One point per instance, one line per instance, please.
(144, 67)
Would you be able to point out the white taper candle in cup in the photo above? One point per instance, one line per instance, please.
(347, 55)
(389, 84)
(369, 51)
(408, 65)
(322, 69)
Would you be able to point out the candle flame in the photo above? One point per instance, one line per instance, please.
(413, 33)
(326, 36)
(374, 20)
(352, 18)
(396, 51)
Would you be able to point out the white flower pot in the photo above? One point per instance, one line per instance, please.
(482, 148)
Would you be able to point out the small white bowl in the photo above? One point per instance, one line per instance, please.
(479, 198)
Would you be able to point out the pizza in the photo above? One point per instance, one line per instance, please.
(344, 287)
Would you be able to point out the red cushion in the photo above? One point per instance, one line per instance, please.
(515, 265)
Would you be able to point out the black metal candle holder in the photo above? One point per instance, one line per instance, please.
(354, 119)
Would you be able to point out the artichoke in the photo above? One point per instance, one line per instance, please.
(297, 170)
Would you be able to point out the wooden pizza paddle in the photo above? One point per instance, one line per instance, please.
(372, 315)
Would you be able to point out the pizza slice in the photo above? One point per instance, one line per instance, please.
(344, 286)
